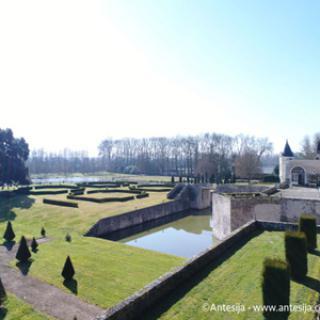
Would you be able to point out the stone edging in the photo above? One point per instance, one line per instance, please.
(134, 305)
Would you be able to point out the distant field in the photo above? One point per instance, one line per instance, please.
(237, 280)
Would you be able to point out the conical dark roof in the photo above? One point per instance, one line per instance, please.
(287, 152)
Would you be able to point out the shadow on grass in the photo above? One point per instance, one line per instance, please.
(16, 202)
(9, 245)
(24, 267)
(72, 285)
(157, 309)
(3, 313)
(315, 252)
(311, 283)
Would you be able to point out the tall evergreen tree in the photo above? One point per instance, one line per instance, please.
(23, 253)
(13, 156)
(9, 234)
(68, 270)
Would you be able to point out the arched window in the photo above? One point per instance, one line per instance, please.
(298, 176)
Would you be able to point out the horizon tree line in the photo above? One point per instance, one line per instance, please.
(211, 155)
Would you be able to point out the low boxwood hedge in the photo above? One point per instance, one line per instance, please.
(113, 191)
(142, 195)
(101, 200)
(47, 192)
(61, 203)
(55, 186)
(155, 190)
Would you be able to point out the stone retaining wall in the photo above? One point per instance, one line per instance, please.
(134, 306)
(229, 213)
(136, 217)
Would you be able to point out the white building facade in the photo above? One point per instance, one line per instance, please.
(296, 171)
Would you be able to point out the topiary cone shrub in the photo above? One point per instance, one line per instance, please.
(3, 294)
(34, 245)
(23, 253)
(68, 270)
(308, 225)
(296, 254)
(275, 287)
(9, 234)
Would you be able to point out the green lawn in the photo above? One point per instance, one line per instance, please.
(29, 214)
(106, 271)
(237, 281)
(16, 309)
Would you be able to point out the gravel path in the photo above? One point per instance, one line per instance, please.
(43, 297)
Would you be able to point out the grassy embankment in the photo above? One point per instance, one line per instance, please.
(237, 280)
(106, 272)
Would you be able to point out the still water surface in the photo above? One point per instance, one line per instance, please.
(184, 237)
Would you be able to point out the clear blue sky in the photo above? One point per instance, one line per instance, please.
(142, 68)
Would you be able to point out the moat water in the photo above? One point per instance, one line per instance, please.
(183, 234)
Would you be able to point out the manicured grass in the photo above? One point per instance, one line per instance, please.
(238, 281)
(16, 309)
(106, 195)
(28, 214)
(106, 272)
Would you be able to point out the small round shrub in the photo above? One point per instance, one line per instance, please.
(43, 232)
(34, 245)
(68, 237)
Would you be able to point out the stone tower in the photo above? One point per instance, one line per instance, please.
(286, 156)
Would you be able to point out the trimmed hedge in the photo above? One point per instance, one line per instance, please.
(308, 225)
(77, 189)
(47, 192)
(170, 185)
(101, 200)
(275, 287)
(60, 203)
(114, 191)
(55, 186)
(77, 193)
(296, 253)
(155, 190)
(175, 191)
(142, 195)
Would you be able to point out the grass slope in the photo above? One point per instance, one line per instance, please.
(237, 281)
(28, 214)
(107, 272)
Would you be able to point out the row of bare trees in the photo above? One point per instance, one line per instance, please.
(212, 155)
(65, 162)
(209, 154)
